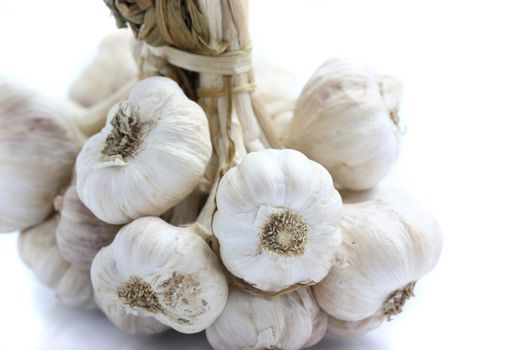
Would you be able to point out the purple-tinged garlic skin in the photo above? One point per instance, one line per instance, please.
(38, 146)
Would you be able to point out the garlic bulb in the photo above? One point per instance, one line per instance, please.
(154, 269)
(291, 321)
(80, 235)
(276, 220)
(150, 155)
(112, 67)
(35, 168)
(388, 244)
(346, 119)
(131, 323)
(38, 250)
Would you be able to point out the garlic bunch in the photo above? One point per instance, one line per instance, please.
(291, 321)
(277, 211)
(38, 145)
(346, 119)
(112, 67)
(80, 234)
(154, 269)
(38, 250)
(388, 244)
(150, 155)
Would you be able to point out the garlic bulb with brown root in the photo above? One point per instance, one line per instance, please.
(38, 250)
(346, 119)
(150, 155)
(291, 321)
(389, 243)
(154, 269)
(277, 211)
(80, 234)
(112, 67)
(38, 146)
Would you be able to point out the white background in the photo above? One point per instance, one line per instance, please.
(463, 68)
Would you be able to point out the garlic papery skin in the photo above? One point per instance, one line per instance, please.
(150, 155)
(276, 220)
(112, 67)
(291, 321)
(38, 250)
(131, 323)
(38, 146)
(343, 121)
(80, 234)
(154, 269)
(74, 288)
(352, 329)
(388, 244)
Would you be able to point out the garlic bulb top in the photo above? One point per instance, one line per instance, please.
(153, 269)
(38, 146)
(291, 321)
(112, 67)
(38, 250)
(388, 244)
(276, 220)
(80, 234)
(149, 156)
(346, 119)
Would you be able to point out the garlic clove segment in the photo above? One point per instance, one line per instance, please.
(38, 250)
(80, 234)
(112, 67)
(38, 146)
(276, 220)
(291, 321)
(154, 269)
(150, 155)
(346, 119)
(388, 244)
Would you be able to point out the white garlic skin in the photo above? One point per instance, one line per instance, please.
(111, 68)
(38, 146)
(388, 243)
(179, 270)
(353, 329)
(269, 183)
(291, 321)
(38, 250)
(343, 121)
(173, 150)
(80, 234)
(131, 323)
